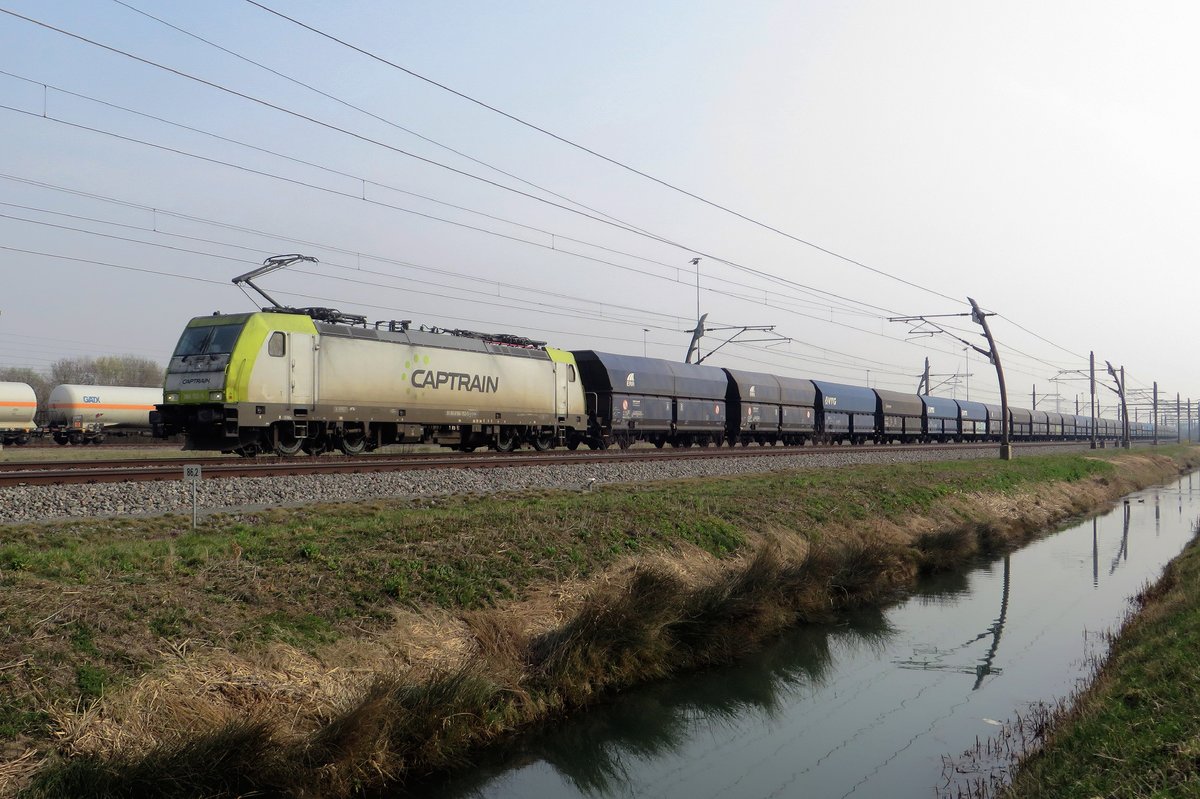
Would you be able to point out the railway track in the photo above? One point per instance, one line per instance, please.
(162, 469)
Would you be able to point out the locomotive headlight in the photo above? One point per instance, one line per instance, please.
(216, 396)
(172, 397)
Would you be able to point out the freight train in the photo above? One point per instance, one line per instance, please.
(310, 380)
(75, 414)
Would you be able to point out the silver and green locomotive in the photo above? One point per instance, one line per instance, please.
(311, 380)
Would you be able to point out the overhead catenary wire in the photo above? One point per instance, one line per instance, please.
(366, 139)
(609, 160)
(544, 308)
(391, 123)
(798, 313)
(725, 293)
(846, 303)
(541, 306)
(555, 238)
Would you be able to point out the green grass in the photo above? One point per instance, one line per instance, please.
(1136, 733)
(92, 605)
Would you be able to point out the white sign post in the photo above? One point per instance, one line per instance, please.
(192, 473)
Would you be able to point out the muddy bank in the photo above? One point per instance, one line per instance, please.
(416, 694)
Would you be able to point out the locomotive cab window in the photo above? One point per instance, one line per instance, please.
(276, 345)
(208, 340)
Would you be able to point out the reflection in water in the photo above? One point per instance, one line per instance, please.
(867, 708)
(997, 628)
(939, 660)
(1123, 551)
(591, 750)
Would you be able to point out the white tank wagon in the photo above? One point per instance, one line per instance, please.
(18, 404)
(79, 414)
(286, 382)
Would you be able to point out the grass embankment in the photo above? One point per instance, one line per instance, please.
(1136, 731)
(318, 651)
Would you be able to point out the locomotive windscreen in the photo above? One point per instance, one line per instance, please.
(208, 340)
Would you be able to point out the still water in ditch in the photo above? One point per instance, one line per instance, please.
(868, 707)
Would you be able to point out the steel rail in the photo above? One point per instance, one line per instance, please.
(145, 470)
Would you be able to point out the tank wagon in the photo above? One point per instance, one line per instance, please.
(309, 380)
(18, 404)
(79, 414)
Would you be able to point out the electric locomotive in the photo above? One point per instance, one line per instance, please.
(292, 380)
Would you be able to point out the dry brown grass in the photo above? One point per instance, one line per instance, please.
(350, 713)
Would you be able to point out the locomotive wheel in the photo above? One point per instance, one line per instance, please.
(97, 440)
(543, 442)
(624, 442)
(287, 446)
(573, 444)
(315, 446)
(248, 451)
(659, 442)
(353, 442)
(506, 441)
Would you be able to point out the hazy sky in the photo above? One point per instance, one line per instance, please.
(885, 159)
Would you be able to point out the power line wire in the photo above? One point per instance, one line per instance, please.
(601, 156)
(370, 114)
(438, 164)
(554, 237)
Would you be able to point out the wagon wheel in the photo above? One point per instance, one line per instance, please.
(624, 442)
(660, 441)
(573, 444)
